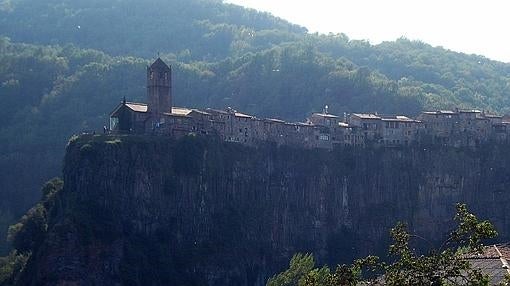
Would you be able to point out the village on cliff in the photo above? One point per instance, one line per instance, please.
(458, 128)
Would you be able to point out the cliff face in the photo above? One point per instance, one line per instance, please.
(138, 211)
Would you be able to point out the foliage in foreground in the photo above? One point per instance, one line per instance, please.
(28, 234)
(443, 266)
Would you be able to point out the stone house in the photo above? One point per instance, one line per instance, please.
(460, 127)
(500, 128)
(367, 124)
(353, 136)
(439, 126)
(399, 130)
(129, 117)
(324, 119)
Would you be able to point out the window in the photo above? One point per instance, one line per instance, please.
(114, 121)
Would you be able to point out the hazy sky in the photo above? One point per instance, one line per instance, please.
(480, 27)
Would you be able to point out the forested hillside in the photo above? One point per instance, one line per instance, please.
(81, 57)
(210, 31)
(195, 29)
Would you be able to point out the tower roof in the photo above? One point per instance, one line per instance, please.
(159, 64)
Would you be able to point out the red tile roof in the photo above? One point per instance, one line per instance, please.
(492, 261)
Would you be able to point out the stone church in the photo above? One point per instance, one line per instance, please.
(133, 117)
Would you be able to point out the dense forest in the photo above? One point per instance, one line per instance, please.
(197, 29)
(64, 65)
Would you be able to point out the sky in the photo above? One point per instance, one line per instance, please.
(469, 26)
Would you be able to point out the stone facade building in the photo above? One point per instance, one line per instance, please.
(463, 127)
(321, 130)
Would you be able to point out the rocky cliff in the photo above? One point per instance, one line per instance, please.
(150, 211)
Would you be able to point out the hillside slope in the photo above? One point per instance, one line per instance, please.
(201, 29)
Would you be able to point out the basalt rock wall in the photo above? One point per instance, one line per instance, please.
(151, 211)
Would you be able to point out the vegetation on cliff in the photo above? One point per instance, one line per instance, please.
(443, 266)
(29, 233)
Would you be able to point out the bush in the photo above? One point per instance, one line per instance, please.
(11, 266)
(29, 232)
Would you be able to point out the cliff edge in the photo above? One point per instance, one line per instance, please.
(153, 211)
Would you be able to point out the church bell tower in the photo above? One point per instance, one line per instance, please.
(159, 88)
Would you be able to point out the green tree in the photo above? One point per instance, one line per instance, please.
(443, 266)
(300, 266)
(29, 232)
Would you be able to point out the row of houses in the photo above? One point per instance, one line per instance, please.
(444, 127)
(320, 130)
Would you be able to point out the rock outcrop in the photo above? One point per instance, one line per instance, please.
(150, 211)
